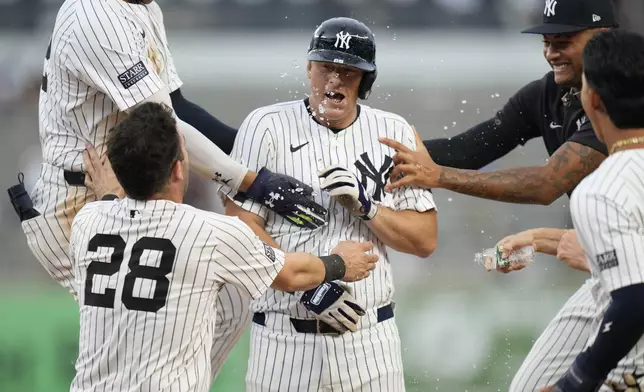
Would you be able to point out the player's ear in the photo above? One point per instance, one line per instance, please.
(308, 69)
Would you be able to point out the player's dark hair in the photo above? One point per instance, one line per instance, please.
(143, 150)
(614, 67)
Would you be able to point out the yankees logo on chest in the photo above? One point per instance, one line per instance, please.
(372, 177)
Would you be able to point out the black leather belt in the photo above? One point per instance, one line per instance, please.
(316, 326)
(75, 178)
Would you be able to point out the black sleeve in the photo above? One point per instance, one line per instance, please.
(621, 329)
(586, 136)
(488, 141)
(219, 133)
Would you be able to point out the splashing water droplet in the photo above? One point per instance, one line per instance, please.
(462, 111)
(296, 64)
(446, 127)
(283, 74)
(482, 231)
(463, 102)
(450, 199)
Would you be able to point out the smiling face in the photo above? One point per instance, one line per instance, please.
(564, 54)
(334, 93)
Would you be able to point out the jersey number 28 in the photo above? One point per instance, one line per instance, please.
(158, 274)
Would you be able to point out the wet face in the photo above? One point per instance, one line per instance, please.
(564, 54)
(334, 93)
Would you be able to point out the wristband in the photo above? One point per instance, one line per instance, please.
(334, 267)
(109, 196)
(372, 213)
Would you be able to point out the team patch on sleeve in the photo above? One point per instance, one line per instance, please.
(607, 260)
(270, 253)
(133, 75)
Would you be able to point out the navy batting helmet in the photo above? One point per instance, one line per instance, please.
(349, 42)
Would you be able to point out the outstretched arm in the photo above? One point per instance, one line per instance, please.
(209, 126)
(526, 185)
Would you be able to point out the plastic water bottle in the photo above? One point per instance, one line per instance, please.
(492, 258)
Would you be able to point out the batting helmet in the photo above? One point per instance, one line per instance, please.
(349, 42)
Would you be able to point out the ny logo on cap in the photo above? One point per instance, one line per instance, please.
(550, 7)
(342, 40)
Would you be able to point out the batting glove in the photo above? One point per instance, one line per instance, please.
(334, 304)
(345, 187)
(287, 197)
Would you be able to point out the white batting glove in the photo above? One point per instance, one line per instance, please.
(333, 303)
(347, 189)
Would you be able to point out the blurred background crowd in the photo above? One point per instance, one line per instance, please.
(443, 64)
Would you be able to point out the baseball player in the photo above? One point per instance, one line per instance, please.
(548, 108)
(147, 268)
(104, 58)
(334, 337)
(607, 208)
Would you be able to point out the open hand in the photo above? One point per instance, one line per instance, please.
(417, 168)
(99, 176)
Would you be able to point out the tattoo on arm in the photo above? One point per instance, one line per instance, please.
(527, 185)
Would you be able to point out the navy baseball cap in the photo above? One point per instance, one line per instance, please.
(571, 16)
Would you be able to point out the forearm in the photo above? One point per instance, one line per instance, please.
(546, 240)
(523, 185)
(406, 231)
(206, 159)
(621, 329)
(216, 131)
(301, 272)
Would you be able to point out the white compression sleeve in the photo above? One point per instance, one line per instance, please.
(206, 159)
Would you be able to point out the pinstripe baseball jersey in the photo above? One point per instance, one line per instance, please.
(607, 208)
(148, 274)
(104, 57)
(286, 139)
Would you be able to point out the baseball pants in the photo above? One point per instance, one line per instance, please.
(571, 330)
(285, 360)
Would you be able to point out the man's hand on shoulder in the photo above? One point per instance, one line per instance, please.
(288, 197)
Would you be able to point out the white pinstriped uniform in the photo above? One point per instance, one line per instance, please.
(281, 358)
(147, 275)
(576, 324)
(105, 56)
(607, 208)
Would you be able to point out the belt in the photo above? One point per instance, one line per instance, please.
(75, 178)
(316, 326)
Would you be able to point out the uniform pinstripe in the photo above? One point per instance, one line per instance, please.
(560, 342)
(147, 323)
(82, 98)
(285, 138)
(577, 323)
(608, 213)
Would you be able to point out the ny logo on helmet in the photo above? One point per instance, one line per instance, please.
(550, 7)
(342, 40)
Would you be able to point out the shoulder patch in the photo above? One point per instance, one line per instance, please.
(270, 253)
(607, 260)
(133, 75)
